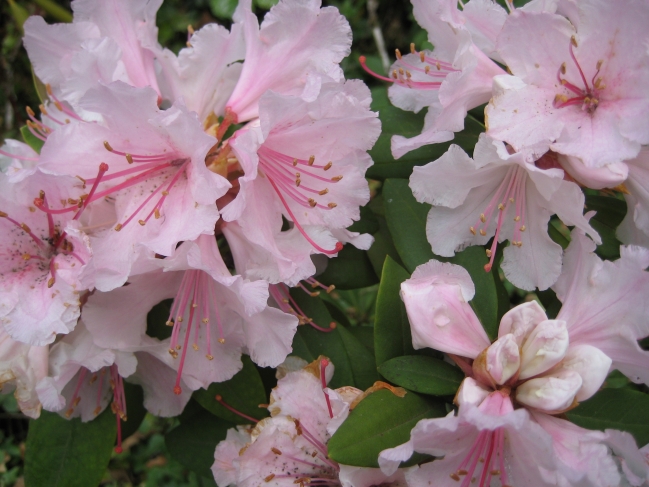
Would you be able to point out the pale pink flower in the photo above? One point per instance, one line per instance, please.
(85, 377)
(634, 229)
(604, 303)
(452, 79)
(547, 366)
(112, 40)
(578, 86)
(290, 170)
(156, 177)
(22, 366)
(215, 316)
(296, 38)
(43, 259)
(486, 441)
(504, 196)
(290, 447)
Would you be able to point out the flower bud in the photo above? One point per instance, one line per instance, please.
(503, 359)
(544, 348)
(471, 392)
(521, 320)
(591, 364)
(551, 394)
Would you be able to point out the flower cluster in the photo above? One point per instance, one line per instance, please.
(248, 147)
(194, 190)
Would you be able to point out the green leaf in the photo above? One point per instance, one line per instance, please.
(352, 269)
(55, 10)
(486, 299)
(244, 392)
(610, 213)
(156, 320)
(265, 4)
(134, 409)
(381, 420)
(68, 453)
(193, 442)
(223, 9)
(620, 409)
(30, 139)
(365, 335)
(382, 247)
(423, 374)
(354, 363)
(407, 222)
(19, 14)
(406, 219)
(392, 336)
(398, 122)
(367, 223)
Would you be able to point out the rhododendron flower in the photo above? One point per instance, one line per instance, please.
(452, 79)
(292, 171)
(634, 229)
(215, 316)
(107, 41)
(156, 175)
(43, 260)
(22, 366)
(578, 85)
(504, 196)
(547, 366)
(296, 38)
(487, 440)
(290, 447)
(604, 303)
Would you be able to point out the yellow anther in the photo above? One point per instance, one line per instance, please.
(169, 323)
(129, 158)
(483, 233)
(563, 68)
(488, 252)
(427, 69)
(294, 162)
(141, 222)
(482, 218)
(312, 202)
(336, 178)
(523, 228)
(107, 146)
(50, 282)
(573, 41)
(221, 340)
(511, 200)
(209, 357)
(328, 166)
(412, 48)
(517, 218)
(394, 74)
(311, 160)
(438, 66)
(195, 347)
(397, 53)
(118, 227)
(332, 205)
(472, 230)
(156, 213)
(422, 56)
(205, 321)
(26, 256)
(323, 192)
(501, 207)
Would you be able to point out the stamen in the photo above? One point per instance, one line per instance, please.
(220, 400)
(323, 366)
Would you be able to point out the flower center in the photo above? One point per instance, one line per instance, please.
(282, 296)
(484, 461)
(191, 307)
(589, 96)
(300, 180)
(429, 72)
(510, 193)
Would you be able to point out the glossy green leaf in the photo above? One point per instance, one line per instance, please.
(367, 223)
(406, 219)
(620, 409)
(365, 335)
(351, 269)
(610, 213)
(156, 320)
(265, 4)
(423, 374)
(381, 420)
(223, 9)
(353, 362)
(244, 392)
(68, 453)
(392, 337)
(399, 122)
(192, 442)
(486, 299)
(30, 139)
(382, 247)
